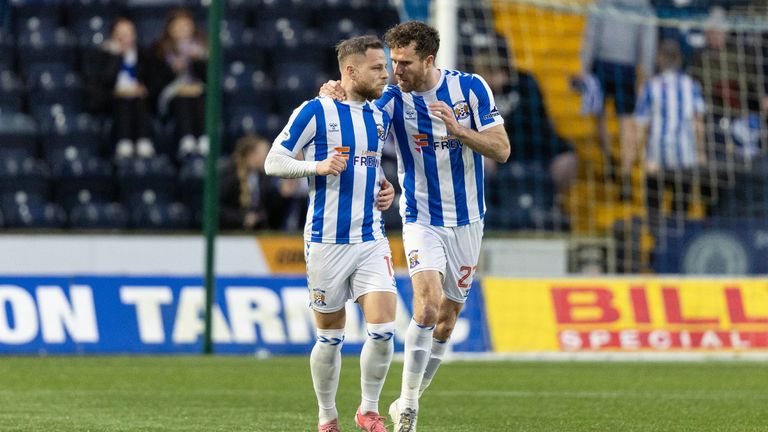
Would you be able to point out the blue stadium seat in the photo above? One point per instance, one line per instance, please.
(7, 43)
(161, 216)
(191, 181)
(80, 177)
(251, 121)
(11, 93)
(100, 216)
(146, 181)
(25, 211)
(55, 86)
(47, 47)
(333, 31)
(23, 173)
(246, 86)
(30, 16)
(82, 131)
(46, 115)
(245, 47)
(18, 131)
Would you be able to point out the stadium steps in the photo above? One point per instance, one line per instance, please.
(547, 44)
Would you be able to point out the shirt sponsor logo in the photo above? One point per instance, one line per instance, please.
(343, 151)
(421, 141)
(448, 142)
(367, 159)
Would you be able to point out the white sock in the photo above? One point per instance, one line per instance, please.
(435, 358)
(418, 344)
(325, 364)
(374, 363)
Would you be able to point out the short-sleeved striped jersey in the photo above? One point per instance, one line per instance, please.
(442, 180)
(341, 208)
(670, 102)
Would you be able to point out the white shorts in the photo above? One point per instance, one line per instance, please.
(452, 251)
(339, 272)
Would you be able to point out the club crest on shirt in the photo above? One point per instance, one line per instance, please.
(410, 114)
(461, 110)
(381, 131)
(413, 258)
(333, 127)
(318, 297)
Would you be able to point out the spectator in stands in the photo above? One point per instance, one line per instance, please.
(118, 87)
(181, 55)
(531, 135)
(612, 48)
(728, 68)
(249, 199)
(671, 108)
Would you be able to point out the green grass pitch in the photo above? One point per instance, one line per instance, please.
(229, 393)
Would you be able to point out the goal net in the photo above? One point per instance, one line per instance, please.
(638, 128)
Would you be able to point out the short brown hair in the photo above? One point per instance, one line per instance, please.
(357, 45)
(427, 39)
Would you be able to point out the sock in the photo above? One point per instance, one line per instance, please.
(325, 364)
(435, 358)
(418, 343)
(374, 363)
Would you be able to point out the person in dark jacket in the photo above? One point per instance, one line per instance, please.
(118, 88)
(251, 200)
(181, 56)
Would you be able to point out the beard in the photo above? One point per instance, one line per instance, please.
(369, 92)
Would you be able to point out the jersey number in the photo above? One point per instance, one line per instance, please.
(390, 265)
(467, 272)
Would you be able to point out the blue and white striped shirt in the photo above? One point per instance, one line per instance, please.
(670, 102)
(341, 208)
(442, 180)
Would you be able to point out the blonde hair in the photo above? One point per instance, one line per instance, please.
(243, 148)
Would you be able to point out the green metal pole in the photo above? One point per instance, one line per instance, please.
(212, 125)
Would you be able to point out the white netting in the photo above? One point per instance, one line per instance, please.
(651, 177)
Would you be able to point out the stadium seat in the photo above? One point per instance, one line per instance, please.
(81, 131)
(11, 93)
(99, 216)
(161, 216)
(245, 47)
(244, 86)
(6, 50)
(47, 47)
(191, 178)
(18, 131)
(146, 181)
(23, 173)
(80, 178)
(31, 16)
(251, 121)
(26, 211)
(55, 86)
(333, 31)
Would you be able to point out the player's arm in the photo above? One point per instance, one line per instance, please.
(492, 142)
(282, 160)
(282, 163)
